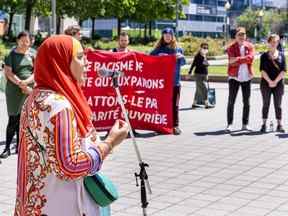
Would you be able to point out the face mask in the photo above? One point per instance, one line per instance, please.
(204, 51)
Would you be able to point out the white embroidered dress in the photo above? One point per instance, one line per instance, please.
(50, 182)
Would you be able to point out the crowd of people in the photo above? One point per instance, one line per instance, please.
(50, 116)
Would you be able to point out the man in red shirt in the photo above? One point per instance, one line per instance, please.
(240, 73)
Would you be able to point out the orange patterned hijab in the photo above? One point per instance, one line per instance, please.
(52, 71)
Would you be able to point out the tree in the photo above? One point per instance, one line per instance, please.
(120, 9)
(272, 21)
(29, 5)
(91, 9)
(152, 10)
(12, 7)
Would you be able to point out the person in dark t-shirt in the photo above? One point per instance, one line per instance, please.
(273, 68)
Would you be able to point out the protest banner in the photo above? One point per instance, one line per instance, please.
(146, 87)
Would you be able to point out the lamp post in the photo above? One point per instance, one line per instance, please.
(227, 6)
(260, 18)
(177, 18)
(53, 26)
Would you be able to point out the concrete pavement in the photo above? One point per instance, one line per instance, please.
(202, 172)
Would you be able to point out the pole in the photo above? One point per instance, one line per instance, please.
(177, 17)
(142, 175)
(53, 27)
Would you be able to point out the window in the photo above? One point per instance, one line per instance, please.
(221, 3)
(197, 1)
(210, 18)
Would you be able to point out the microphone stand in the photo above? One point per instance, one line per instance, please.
(142, 175)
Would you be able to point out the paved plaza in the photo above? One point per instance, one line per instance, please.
(202, 172)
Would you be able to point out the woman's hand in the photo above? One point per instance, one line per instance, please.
(272, 84)
(118, 133)
(26, 89)
(179, 55)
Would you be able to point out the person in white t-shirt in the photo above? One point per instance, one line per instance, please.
(240, 73)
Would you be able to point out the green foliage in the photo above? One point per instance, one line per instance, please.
(191, 45)
(272, 21)
(3, 51)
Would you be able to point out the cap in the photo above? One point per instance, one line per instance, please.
(168, 31)
(240, 30)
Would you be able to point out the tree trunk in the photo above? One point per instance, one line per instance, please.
(29, 8)
(58, 24)
(80, 22)
(118, 27)
(11, 15)
(145, 31)
(93, 27)
(150, 29)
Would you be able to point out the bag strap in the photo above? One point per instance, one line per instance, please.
(41, 147)
(273, 61)
(208, 86)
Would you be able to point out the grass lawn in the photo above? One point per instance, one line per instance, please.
(222, 69)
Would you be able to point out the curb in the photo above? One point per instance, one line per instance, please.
(219, 79)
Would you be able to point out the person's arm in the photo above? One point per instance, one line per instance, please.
(279, 77)
(154, 52)
(266, 77)
(194, 63)
(263, 69)
(71, 161)
(28, 81)
(180, 57)
(247, 59)
(232, 60)
(283, 69)
(11, 76)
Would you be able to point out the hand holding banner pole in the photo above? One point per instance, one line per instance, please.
(142, 175)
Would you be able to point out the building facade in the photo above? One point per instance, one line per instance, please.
(203, 18)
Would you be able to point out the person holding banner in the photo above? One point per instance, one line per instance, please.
(123, 43)
(74, 31)
(58, 144)
(167, 45)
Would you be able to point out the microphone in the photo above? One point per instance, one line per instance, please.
(103, 72)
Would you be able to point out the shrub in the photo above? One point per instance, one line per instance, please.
(191, 45)
(3, 51)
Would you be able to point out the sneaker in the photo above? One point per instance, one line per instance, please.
(177, 131)
(280, 129)
(208, 106)
(246, 127)
(263, 128)
(194, 106)
(229, 128)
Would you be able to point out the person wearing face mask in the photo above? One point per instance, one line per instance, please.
(58, 143)
(201, 76)
(18, 69)
(167, 45)
(273, 68)
(240, 72)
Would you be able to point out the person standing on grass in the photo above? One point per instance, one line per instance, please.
(273, 68)
(167, 45)
(201, 75)
(240, 72)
